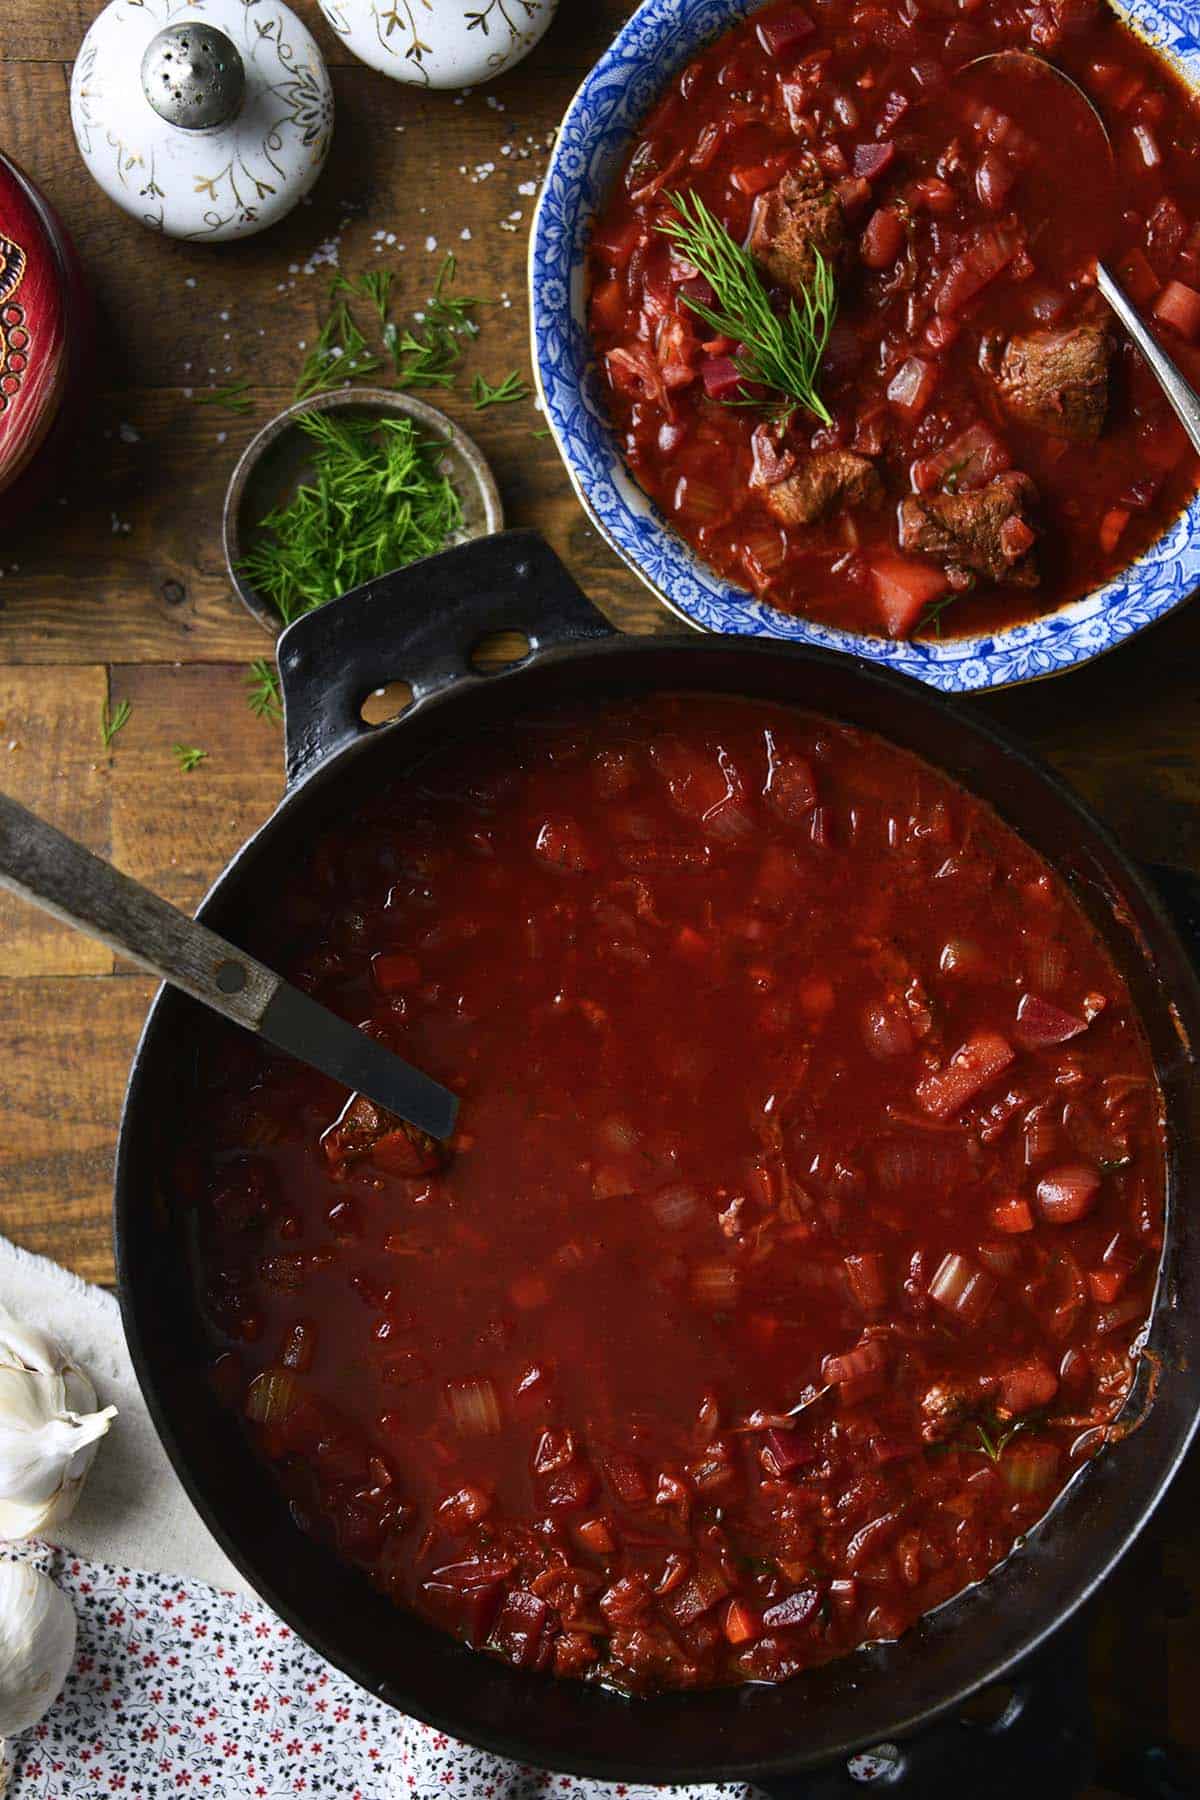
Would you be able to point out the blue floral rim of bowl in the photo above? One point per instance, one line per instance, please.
(656, 42)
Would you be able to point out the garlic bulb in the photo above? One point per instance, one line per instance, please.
(49, 1429)
(37, 1645)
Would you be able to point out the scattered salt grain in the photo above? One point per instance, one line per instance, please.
(128, 434)
(465, 234)
(527, 187)
(431, 243)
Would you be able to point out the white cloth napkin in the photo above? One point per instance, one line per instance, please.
(132, 1510)
(182, 1687)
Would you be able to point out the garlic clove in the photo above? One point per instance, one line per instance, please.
(25, 1347)
(37, 1645)
(49, 1429)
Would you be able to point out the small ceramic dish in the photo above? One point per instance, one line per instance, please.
(659, 38)
(279, 459)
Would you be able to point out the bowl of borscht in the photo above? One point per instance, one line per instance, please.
(965, 470)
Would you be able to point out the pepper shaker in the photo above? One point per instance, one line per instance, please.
(203, 127)
(440, 43)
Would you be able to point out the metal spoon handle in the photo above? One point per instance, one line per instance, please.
(42, 865)
(1183, 397)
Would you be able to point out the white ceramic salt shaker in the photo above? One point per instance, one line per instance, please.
(204, 122)
(440, 43)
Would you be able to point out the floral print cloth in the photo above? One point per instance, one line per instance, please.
(181, 1690)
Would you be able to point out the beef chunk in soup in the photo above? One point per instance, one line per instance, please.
(982, 533)
(1055, 381)
(791, 220)
(819, 484)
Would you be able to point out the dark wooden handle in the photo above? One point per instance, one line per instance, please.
(42, 865)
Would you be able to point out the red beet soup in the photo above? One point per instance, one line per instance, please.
(805, 1205)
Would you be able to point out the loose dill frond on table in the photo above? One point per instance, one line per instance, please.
(263, 696)
(189, 757)
(112, 721)
(378, 499)
(780, 350)
(504, 393)
(340, 354)
(428, 352)
(425, 352)
(234, 398)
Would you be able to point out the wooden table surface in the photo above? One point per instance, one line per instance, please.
(117, 590)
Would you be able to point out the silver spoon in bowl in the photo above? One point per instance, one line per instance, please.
(1184, 401)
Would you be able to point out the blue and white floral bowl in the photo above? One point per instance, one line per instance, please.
(660, 37)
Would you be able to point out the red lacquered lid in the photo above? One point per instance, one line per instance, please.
(44, 327)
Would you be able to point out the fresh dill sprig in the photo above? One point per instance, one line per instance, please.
(263, 695)
(995, 1442)
(781, 351)
(188, 757)
(112, 721)
(512, 387)
(234, 398)
(933, 613)
(378, 499)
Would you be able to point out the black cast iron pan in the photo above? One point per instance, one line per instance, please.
(420, 625)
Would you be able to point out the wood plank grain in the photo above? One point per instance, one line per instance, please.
(175, 831)
(67, 1048)
(53, 760)
(408, 164)
(132, 569)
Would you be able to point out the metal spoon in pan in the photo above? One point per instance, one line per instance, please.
(1023, 65)
(43, 866)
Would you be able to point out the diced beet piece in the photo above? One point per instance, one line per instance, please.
(903, 590)
(971, 271)
(870, 160)
(1040, 1024)
(781, 34)
(467, 1612)
(797, 1609)
(1029, 1385)
(1179, 306)
(974, 1067)
(566, 1488)
(698, 290)
(627, 1478)
(394, 971)
(721, 377)
(698, 1595)
(788, 1450)
(523, 1630)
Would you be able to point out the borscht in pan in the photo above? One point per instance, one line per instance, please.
(842, 300)
(804, 1212)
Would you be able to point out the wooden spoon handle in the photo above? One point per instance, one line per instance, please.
(54, 872)
(41, 864)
